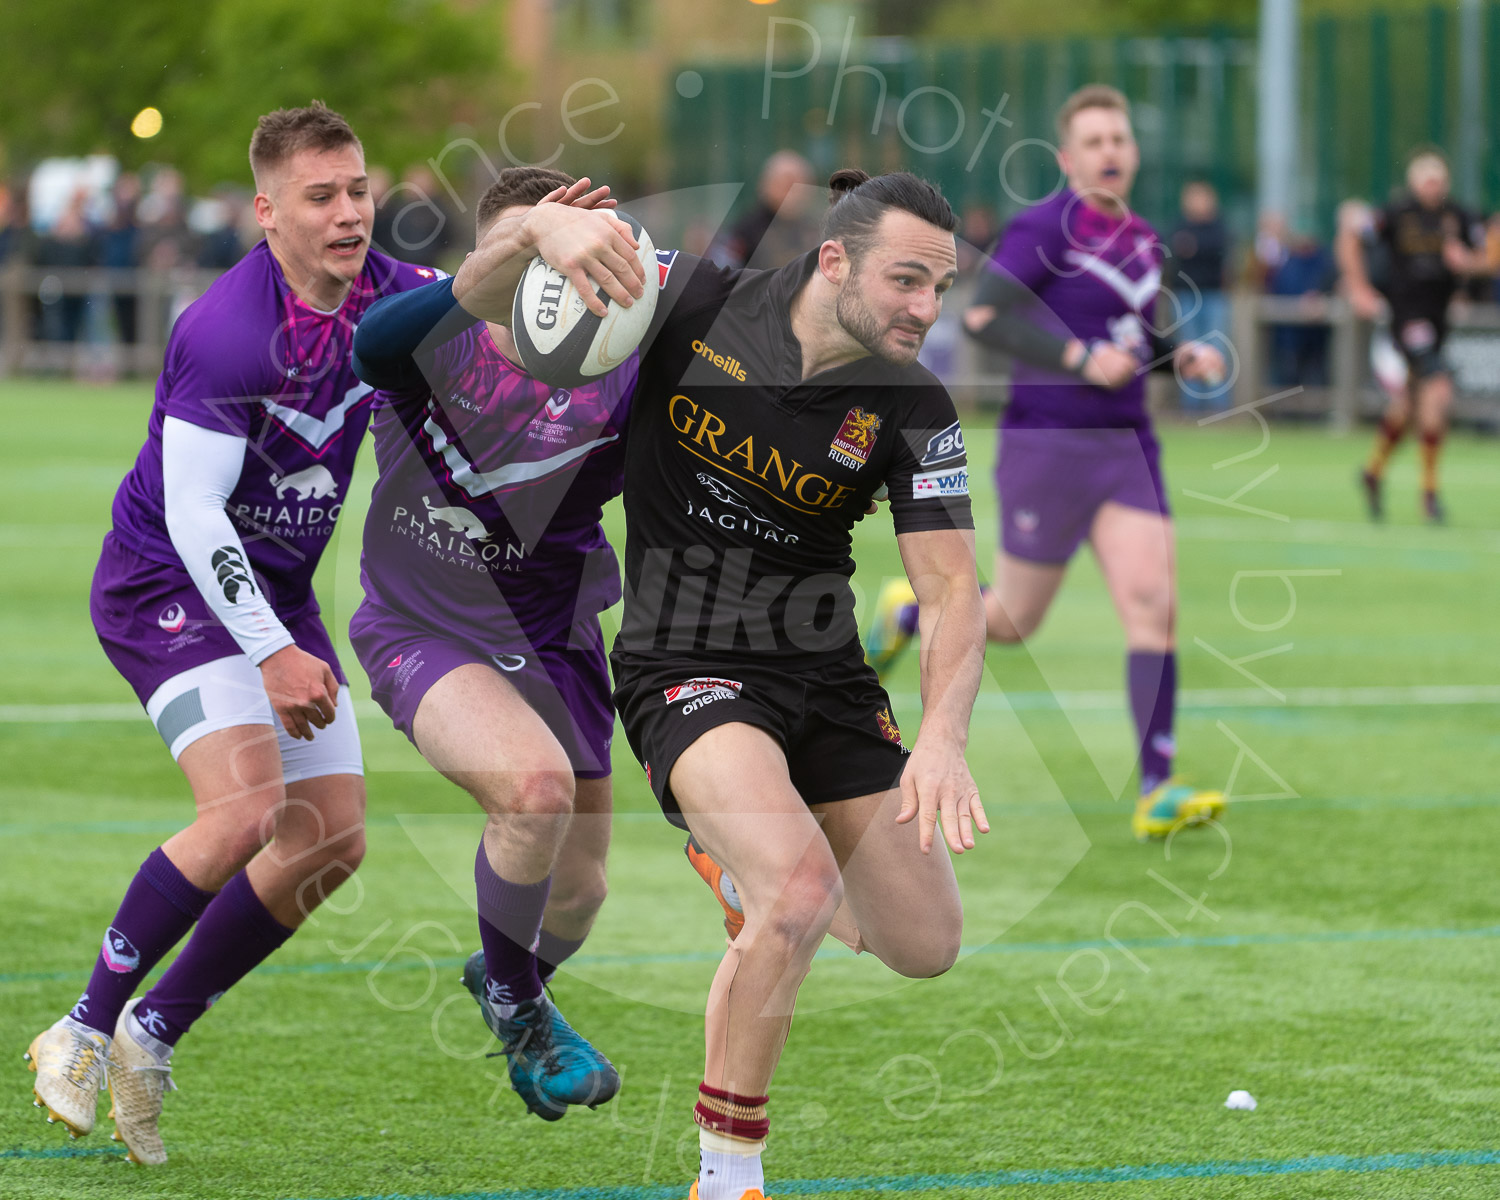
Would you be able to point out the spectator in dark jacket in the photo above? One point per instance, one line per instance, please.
(1198, 264)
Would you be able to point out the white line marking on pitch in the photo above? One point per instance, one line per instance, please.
(1211, 698)
(1203, 698)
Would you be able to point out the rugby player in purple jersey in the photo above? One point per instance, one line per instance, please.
(1071, 294)
(485, 569)
(203, 601)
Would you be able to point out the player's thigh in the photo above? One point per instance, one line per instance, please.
(235, 774)
(1024, 590)
(325, 784)
(1136, 550)
(477, 729)
(736, 794)
(906, 903)
(216, 721)
(323, 818)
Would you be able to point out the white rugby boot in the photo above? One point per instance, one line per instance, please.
(71, 1062)
(142, 1075)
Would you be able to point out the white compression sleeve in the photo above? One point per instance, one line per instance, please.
(200, 468)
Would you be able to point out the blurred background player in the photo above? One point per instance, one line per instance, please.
(203, 601)
(1070, 294)
(779, 228)
(491, 659)
(1431, 245)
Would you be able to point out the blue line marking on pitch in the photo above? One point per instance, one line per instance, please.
(169, 825)
(62, 1152)
(1222, 941)
(1309, 1165)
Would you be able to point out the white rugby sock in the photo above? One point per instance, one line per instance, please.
(727, 1167)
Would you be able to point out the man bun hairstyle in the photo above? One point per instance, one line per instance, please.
(287, 131)
(857, 202)
(517, 185)
(1090, 95)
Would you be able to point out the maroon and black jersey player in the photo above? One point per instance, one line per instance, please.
(1430, 245)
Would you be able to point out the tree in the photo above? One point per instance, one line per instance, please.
(72, 76)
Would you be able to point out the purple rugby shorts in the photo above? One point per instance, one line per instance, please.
(565, 681)
(154, 624)
(1052, 482)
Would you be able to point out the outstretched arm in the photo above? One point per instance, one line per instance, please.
(999, 318)
(573, 229)
(936, 782)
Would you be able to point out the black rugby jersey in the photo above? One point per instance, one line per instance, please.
(1416, 277)
(743, 481)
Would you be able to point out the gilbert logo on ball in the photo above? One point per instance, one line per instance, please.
(560, 341)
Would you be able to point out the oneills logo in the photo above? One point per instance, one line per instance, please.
(855, 439)
(731, 366)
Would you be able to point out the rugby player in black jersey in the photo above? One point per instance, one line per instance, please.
(771, 407)
(1430, 246)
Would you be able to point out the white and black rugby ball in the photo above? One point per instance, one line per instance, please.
(560, 341)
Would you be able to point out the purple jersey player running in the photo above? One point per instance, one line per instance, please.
(1070, 293)
(485, 568)
(203, 600)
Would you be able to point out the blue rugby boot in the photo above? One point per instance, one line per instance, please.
(549, 1064)
(1172, 805)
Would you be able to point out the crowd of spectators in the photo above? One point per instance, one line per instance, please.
(68, 216)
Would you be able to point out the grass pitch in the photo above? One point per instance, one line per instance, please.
(1334, 952)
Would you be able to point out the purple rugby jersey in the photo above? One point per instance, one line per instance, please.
(484, 522)
(249, 358)
(1095, 276)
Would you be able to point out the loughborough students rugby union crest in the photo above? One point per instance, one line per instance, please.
(855, 439)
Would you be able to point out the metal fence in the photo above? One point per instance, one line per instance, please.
(1373, 87)
(119, 326)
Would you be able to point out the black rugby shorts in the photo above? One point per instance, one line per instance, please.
(834, 722)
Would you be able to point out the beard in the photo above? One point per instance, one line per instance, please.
(856, 319)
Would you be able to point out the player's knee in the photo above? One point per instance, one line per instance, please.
(1008, 628)
(1148, 607)
(544, 794)
(346, 849)
(931, 955)
(533, 793)
(801, 911)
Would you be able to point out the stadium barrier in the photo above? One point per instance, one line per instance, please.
(978, 376)
(102, 298)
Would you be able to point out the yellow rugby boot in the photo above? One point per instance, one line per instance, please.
(887, 636)
(1171, 806)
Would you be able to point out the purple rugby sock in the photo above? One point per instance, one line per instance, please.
(510, 921)
(237, 933)
(1151, 678)
(160, 906)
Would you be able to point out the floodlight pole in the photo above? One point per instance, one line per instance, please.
(1277, 108)
(1471, 101)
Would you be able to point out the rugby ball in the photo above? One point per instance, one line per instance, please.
(560, 341)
